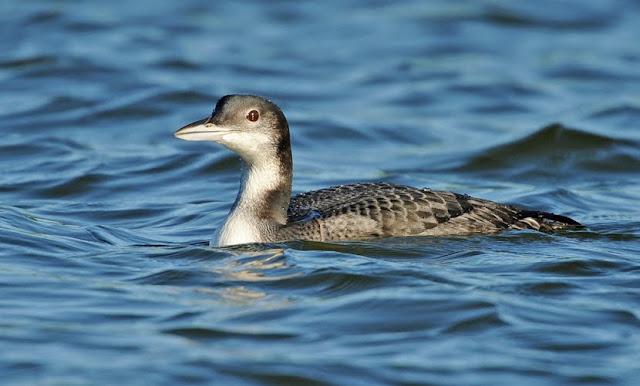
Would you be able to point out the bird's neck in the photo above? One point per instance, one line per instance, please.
(260, 208)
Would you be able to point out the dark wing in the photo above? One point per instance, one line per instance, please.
(374, 210)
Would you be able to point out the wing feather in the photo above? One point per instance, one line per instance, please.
(374, 210)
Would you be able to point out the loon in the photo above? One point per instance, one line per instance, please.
(264, 211)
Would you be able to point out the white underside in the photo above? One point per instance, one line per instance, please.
(237, 229)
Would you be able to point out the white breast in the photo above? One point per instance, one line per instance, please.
(238, 229)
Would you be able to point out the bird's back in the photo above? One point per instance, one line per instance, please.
(361, 211)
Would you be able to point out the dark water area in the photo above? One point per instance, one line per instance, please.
(106, 276)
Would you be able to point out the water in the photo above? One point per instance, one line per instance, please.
(105, 272)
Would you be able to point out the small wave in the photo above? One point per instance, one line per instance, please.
(74, 186)
(333, 282)
(565, 16)
(170, 98)
(73, 70)
(27, 231)
(619, 116)
(27, 62)
(577, 267)
(585, 73)
(556, 148)
(205, 333)
(496, 89)
(548, 288)
(181, 277)
(625, 110)
(176, 64)
(45, 147)
(44, 16)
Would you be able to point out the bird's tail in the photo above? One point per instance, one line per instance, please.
(544, 221)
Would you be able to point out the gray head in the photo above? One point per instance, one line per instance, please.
(249, 125)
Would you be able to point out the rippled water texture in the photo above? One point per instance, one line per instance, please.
(106, 276)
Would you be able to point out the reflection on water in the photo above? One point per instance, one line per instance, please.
(105, 269)
(268, 265)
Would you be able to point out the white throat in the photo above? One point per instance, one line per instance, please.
(252, 218)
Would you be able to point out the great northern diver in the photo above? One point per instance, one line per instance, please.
(264, 210)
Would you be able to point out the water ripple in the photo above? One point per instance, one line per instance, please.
(557, 148)
(106, 271)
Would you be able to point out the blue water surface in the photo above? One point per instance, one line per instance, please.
(106, 276)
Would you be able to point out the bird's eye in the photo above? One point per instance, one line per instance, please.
(253, 115)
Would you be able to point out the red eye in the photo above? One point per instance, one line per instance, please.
(253, 115)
